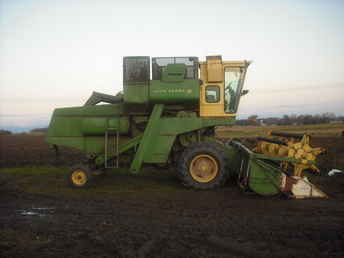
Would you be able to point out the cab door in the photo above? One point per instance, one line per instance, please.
(212, 89)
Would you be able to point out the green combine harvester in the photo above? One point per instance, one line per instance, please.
(170, 119)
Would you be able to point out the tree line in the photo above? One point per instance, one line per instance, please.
(304, 119)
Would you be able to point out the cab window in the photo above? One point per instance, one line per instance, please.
(212, 94)
(233, 78)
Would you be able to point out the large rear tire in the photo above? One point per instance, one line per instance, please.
(203, 165)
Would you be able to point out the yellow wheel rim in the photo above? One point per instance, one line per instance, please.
(79, 177)
(204, 168)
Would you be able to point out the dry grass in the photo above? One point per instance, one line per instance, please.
(254, 131)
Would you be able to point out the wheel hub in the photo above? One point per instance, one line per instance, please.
(79, 177)
(203, 168)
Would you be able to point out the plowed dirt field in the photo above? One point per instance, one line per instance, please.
(152, 215)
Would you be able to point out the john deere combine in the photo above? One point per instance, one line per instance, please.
(169, 119)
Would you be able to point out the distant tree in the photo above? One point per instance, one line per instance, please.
(253, 117)
(5, 132)
(304, 119)
(39, 130)
(285, 120)
(327, 117)
(252, 120)
(242, 122)
(340, 118)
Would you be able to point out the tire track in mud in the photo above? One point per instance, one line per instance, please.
(127, 226)
(183, 223)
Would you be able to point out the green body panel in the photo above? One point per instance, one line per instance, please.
(72, 141)
(71, 122)
(84, 128)
(160, 149)
(162, 92)
(166, 131)
(94, 144)
(264, 179)
(148, 138)
(124, 146)
(179, 125)
(136, 93)
(158, 144)
(256, 172)
(98, 125)
(174, 73)
(186, 91)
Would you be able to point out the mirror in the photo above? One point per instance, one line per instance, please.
(244, 92)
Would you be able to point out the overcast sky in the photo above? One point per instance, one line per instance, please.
(55, 53)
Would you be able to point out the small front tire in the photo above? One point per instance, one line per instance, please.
(80, 176)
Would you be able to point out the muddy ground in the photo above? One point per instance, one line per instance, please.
(152, 215)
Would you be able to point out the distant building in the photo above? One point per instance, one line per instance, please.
(337, 122)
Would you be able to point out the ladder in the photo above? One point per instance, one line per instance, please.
(115, 147)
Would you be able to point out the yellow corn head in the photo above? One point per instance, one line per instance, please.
(296, 146)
